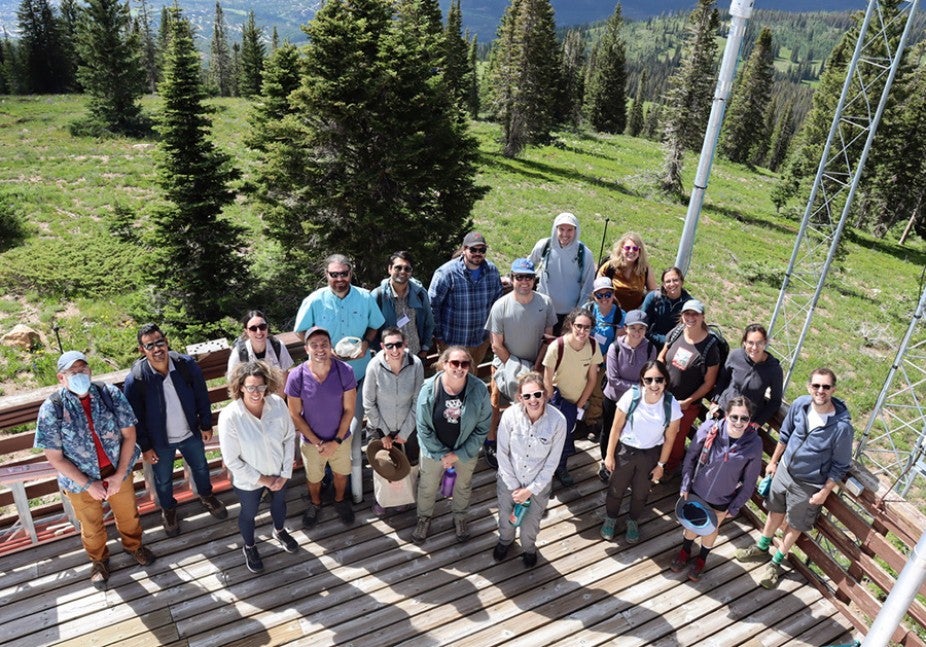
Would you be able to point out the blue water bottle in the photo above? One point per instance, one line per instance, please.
(517, 515)
(447, 482)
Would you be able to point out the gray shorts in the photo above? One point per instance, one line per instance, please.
(790, 496)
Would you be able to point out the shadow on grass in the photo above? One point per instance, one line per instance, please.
(739, 216)
(548, 172)
(907, 254)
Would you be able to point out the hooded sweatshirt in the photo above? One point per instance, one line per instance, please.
(560, 277)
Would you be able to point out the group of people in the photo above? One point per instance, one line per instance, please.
(572, 343)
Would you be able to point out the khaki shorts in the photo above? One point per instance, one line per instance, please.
(792, 497)
(314, 462)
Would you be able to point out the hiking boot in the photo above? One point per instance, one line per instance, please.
(310, 516)
(99, 576)
(490, 449)
(143, 556)
(215, 507)
(170, 522)
(633, 532)
(529, 559)
(604, 474)
(500, 552)
(252, 559)
(753, 554)
(607, 528)
(421, 530)
(459, 525)
(680, 562)
(345, 511)
(771, 577)
(695, 573)
(286, 540)
(564, 477)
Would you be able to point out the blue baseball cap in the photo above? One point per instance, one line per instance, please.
(67, 360)
(523, 266)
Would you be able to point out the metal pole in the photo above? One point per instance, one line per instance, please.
(604, 235)
(740, 12)
(901, 596)
(56, 328)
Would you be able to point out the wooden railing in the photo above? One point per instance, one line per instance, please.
(853, 557)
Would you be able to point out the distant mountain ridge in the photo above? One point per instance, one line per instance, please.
(479, 16)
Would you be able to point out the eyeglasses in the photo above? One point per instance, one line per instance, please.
(536, 394)
(581, 326)
(255, 388)
(821, 387)
(604, 295)
(402, 268)
(631, 248)
(459, 363)
(160, 343)
(656, 380)
(737, 419)
(478, 250)
(393, 344)
(523, 277)
(262, 326)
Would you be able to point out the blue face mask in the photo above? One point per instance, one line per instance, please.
(79, 383)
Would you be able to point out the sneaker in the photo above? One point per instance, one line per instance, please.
(753, 554)
(170, 522)
(563, 476)
(99, 576)
(215, 507)
(345, 511)
(633, 532)
(310, 516)
(604, 474)
(607, 528)
(695, 573)
(459, 525)
(143, 556)
(529, 559)
(771, 577)
(500, 552)
(421, 530)
(286, 540)
(378, 510)
(680, 562)
(490, 449)
(252, 559)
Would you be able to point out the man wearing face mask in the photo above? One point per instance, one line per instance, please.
(87, 430)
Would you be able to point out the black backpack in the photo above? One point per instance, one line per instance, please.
(242, 348)
(105, 397)
(714, 336)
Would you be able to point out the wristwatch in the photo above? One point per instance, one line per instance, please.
(660, 464)
(338, 440)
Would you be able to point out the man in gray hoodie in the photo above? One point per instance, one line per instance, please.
(566, 267)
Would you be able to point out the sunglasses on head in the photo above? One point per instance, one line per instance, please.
(158, 343)
(393, 344)
(262, 326)
(737, 419)
(478, 250)
(651, 380)
(459, 363)
(536, 394)
(339, 275)
(631, 248)
(821, 387)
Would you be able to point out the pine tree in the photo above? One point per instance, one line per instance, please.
(607, 94)
(198, 262)
(635, 122)
(110, 71)
(149, 48)
(274, 40)
(69, 15)
(220, 58)
(235, 69)
(44, 61)
(572, 88)
(281, 78)
(252, 58)
(745, 130)
(472, 92)
(652, 122)
(456, 56)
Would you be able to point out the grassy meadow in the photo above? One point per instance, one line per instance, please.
(87, 200)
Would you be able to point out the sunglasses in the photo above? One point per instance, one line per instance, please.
(651, 380)
(581, 326)
(339, 275)
(631, 248)
(478, 250)
(821, 387)
(737, 419)
(523, 277)
(160, 343)
(254, 388)
(402, 268)
(393, 344)
(604, 295)
(536, 394)
(459, 363)
(262, 326)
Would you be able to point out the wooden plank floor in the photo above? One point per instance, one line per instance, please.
(370, 585)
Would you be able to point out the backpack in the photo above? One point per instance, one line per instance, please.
(580, 258)
(561, 346)
(242, 348)
(105, 397)
(635, 396)
(714, 336)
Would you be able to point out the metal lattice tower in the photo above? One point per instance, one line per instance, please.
(895, 437)
(870, 72)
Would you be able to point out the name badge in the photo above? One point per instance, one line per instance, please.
(401, 323)
(600, 339)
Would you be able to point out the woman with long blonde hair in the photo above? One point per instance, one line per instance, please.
(629, 271)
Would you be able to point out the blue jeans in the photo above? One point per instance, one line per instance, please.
(194, 454)
(250, 502)
(571, 412)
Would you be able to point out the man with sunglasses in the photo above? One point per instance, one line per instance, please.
(566, 267)
(405, 305)
(168, 392)
(462, 292)
(812, 456)
(345, 310)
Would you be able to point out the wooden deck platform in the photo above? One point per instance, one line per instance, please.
(370, 585)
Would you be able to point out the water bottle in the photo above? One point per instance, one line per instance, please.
(448, 481)
(517, 515)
